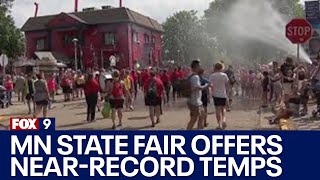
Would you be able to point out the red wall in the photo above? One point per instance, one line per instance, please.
(141, 51)
(127, 50)
(31, 41)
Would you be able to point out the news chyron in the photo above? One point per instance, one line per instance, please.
(32, 124)
(33, 149)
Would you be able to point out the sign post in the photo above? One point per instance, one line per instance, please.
(299, 31)
(298, 51)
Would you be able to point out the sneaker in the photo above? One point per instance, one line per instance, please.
(131, 108)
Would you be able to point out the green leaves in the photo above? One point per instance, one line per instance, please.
(11, 38)
(184, 38)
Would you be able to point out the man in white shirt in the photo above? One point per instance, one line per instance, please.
(194, 102)
(219, 82)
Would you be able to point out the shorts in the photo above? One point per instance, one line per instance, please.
(220, 102)
(176, 86)
(205, 101)
(66, 89)
(29, 97)
(42, 102)
(167, 88)
(153, 102)
(195, 110)
(116, 103)
(77, 86)
(287, 88)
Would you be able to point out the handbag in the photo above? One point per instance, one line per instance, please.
(106, 111)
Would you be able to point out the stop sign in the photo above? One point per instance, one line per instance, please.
(299, 31)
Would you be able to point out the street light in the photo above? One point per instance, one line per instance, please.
(179, 55)
(75, 42)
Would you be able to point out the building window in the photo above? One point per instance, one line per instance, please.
(109, 38)
(68, 40)
(40, 44)
(135, 37)
(147, 38)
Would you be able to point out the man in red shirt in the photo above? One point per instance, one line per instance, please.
(153, 90)
(144, 76)
(165, 78)
(175, 80)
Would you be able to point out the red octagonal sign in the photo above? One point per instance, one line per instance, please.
(299, 31)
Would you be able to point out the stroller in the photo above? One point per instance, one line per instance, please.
(4, 103)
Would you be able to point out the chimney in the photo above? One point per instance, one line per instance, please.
(36, 10)
(120, 3)
(75, 5)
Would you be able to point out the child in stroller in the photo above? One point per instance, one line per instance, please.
(4, 103)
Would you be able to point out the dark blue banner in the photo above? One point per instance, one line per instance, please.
(159, 154)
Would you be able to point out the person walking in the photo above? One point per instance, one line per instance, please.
(19, 87)
(66, 85)
(29, 88)
(116, 94)
(41, 96)
(229, 72)
(219, 82)
(52, 86)
(8, 84)
(79, 82)
(194, 102)
(91, 90)
(205, 97)
(287, 71)
(153, 90)
(165, 78)
(128, 82)
(175, 80)
(134, 75)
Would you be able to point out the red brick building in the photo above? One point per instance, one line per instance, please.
(120, 32)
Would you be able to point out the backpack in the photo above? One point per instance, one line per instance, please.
(117, 90)
(185, 87)
(152, 92)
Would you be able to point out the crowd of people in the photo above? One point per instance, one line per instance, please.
(285, 88)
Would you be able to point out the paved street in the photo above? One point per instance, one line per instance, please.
(72, 115)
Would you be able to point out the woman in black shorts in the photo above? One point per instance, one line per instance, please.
(218, 81)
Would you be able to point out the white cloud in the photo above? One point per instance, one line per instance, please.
(156, 9)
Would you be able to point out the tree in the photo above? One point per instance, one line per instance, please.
(184, 37)
(11, 38)
(215, 26)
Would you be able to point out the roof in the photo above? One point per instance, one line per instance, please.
(45, 55)
(102, 16)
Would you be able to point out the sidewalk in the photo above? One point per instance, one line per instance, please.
(72, 116)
